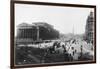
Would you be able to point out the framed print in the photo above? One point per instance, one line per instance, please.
(50, 34)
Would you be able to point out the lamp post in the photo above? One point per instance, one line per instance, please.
(37, 33)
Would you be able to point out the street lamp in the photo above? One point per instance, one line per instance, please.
(37, 27)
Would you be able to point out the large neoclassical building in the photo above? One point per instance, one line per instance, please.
(36, 32)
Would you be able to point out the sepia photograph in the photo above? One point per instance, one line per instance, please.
(48, 33)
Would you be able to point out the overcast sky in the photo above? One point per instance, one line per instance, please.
(64, 19)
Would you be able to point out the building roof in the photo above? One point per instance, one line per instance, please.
(24, 25)
(34, 25)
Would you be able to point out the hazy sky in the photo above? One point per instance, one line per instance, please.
(64, 19)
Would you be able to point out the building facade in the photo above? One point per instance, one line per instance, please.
(28, 33)
(89, 29)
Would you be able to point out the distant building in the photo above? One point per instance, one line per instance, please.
(35, 32)
(89, 29)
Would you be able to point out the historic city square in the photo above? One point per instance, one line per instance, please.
(48, 38)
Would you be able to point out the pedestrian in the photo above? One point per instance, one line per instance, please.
(70, 57)
(75, 51)
(66, 56)
(81, 54)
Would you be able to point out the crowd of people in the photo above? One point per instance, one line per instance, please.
(52, 51)
(73, 48)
